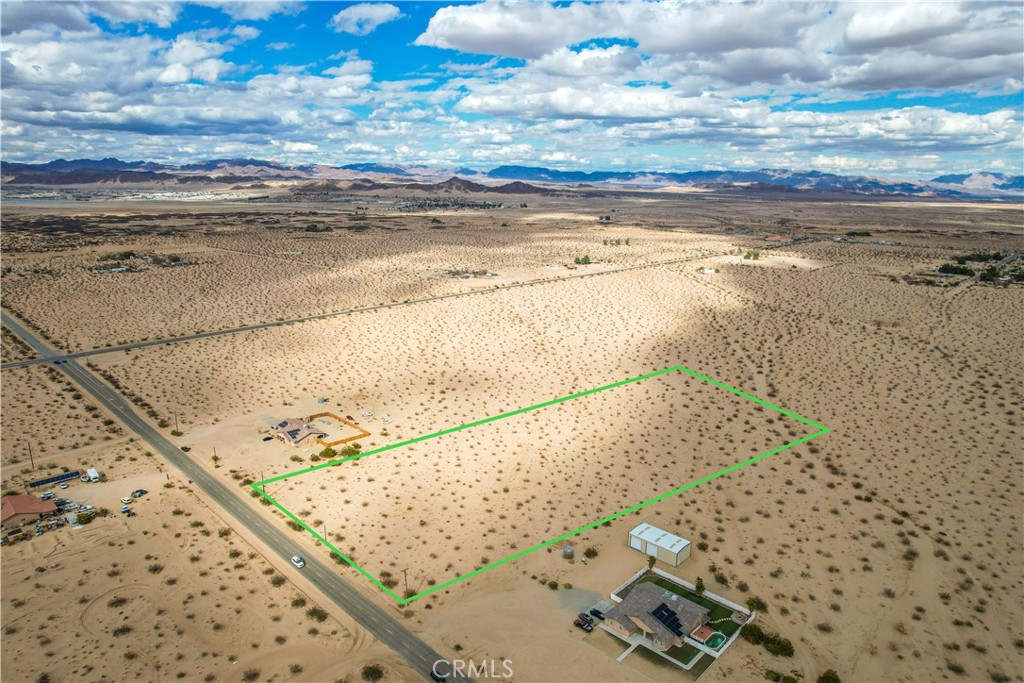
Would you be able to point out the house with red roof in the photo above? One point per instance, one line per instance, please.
(17, 511)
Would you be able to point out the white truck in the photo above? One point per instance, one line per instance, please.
(93, 475)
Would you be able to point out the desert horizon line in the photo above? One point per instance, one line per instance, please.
(461, 167)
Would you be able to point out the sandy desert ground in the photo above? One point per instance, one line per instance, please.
(168, 594)
(499, 488)
(889, 549)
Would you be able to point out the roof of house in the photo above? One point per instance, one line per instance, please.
(296, 430)
(659, 537)
(24, 505)
(646, 601)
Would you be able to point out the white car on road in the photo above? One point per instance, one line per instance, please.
(298, 561)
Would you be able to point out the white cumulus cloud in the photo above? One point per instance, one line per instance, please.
(364, 18)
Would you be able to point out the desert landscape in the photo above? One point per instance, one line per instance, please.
(888, 549)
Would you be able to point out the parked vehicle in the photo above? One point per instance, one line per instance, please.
(93, 475)
(185, 449)
(597, 613)
(579, 623)
(63, 484)
(586, 617)
(47, 496)
(138, 493)
(126, 501)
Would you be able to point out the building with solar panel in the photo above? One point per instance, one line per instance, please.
(665, 618)
(294, 432)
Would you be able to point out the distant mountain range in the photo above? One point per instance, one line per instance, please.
(375, 176)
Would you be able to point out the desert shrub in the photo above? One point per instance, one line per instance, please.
(772, 642)
(590, 553)
(277, 580)
(829, 676)
(251, 675)
(317, 613)
(756, 604)
(372, 673)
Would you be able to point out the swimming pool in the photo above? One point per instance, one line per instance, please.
(715, 640)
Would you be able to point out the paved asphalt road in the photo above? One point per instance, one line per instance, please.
(372, 617)
(278, 323)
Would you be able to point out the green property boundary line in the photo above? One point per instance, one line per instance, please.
(259, 486)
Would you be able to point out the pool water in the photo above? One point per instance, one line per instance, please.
(715, 640)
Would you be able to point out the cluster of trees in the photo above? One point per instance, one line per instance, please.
(979, 257)
(858, 233)
(990, 274)
(616, 242)
(949, 268)
(752, 255)
(121, 256)
(605, 219)
(165, 260)
(581, 260)
(313, 227)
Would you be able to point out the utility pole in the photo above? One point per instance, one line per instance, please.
(406, 577)
(30, 458)
(176, 422)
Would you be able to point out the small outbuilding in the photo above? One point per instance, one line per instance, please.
(660, 544)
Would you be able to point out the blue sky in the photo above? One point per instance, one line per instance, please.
(895, 89)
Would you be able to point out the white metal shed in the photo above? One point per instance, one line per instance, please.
(658, 543)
